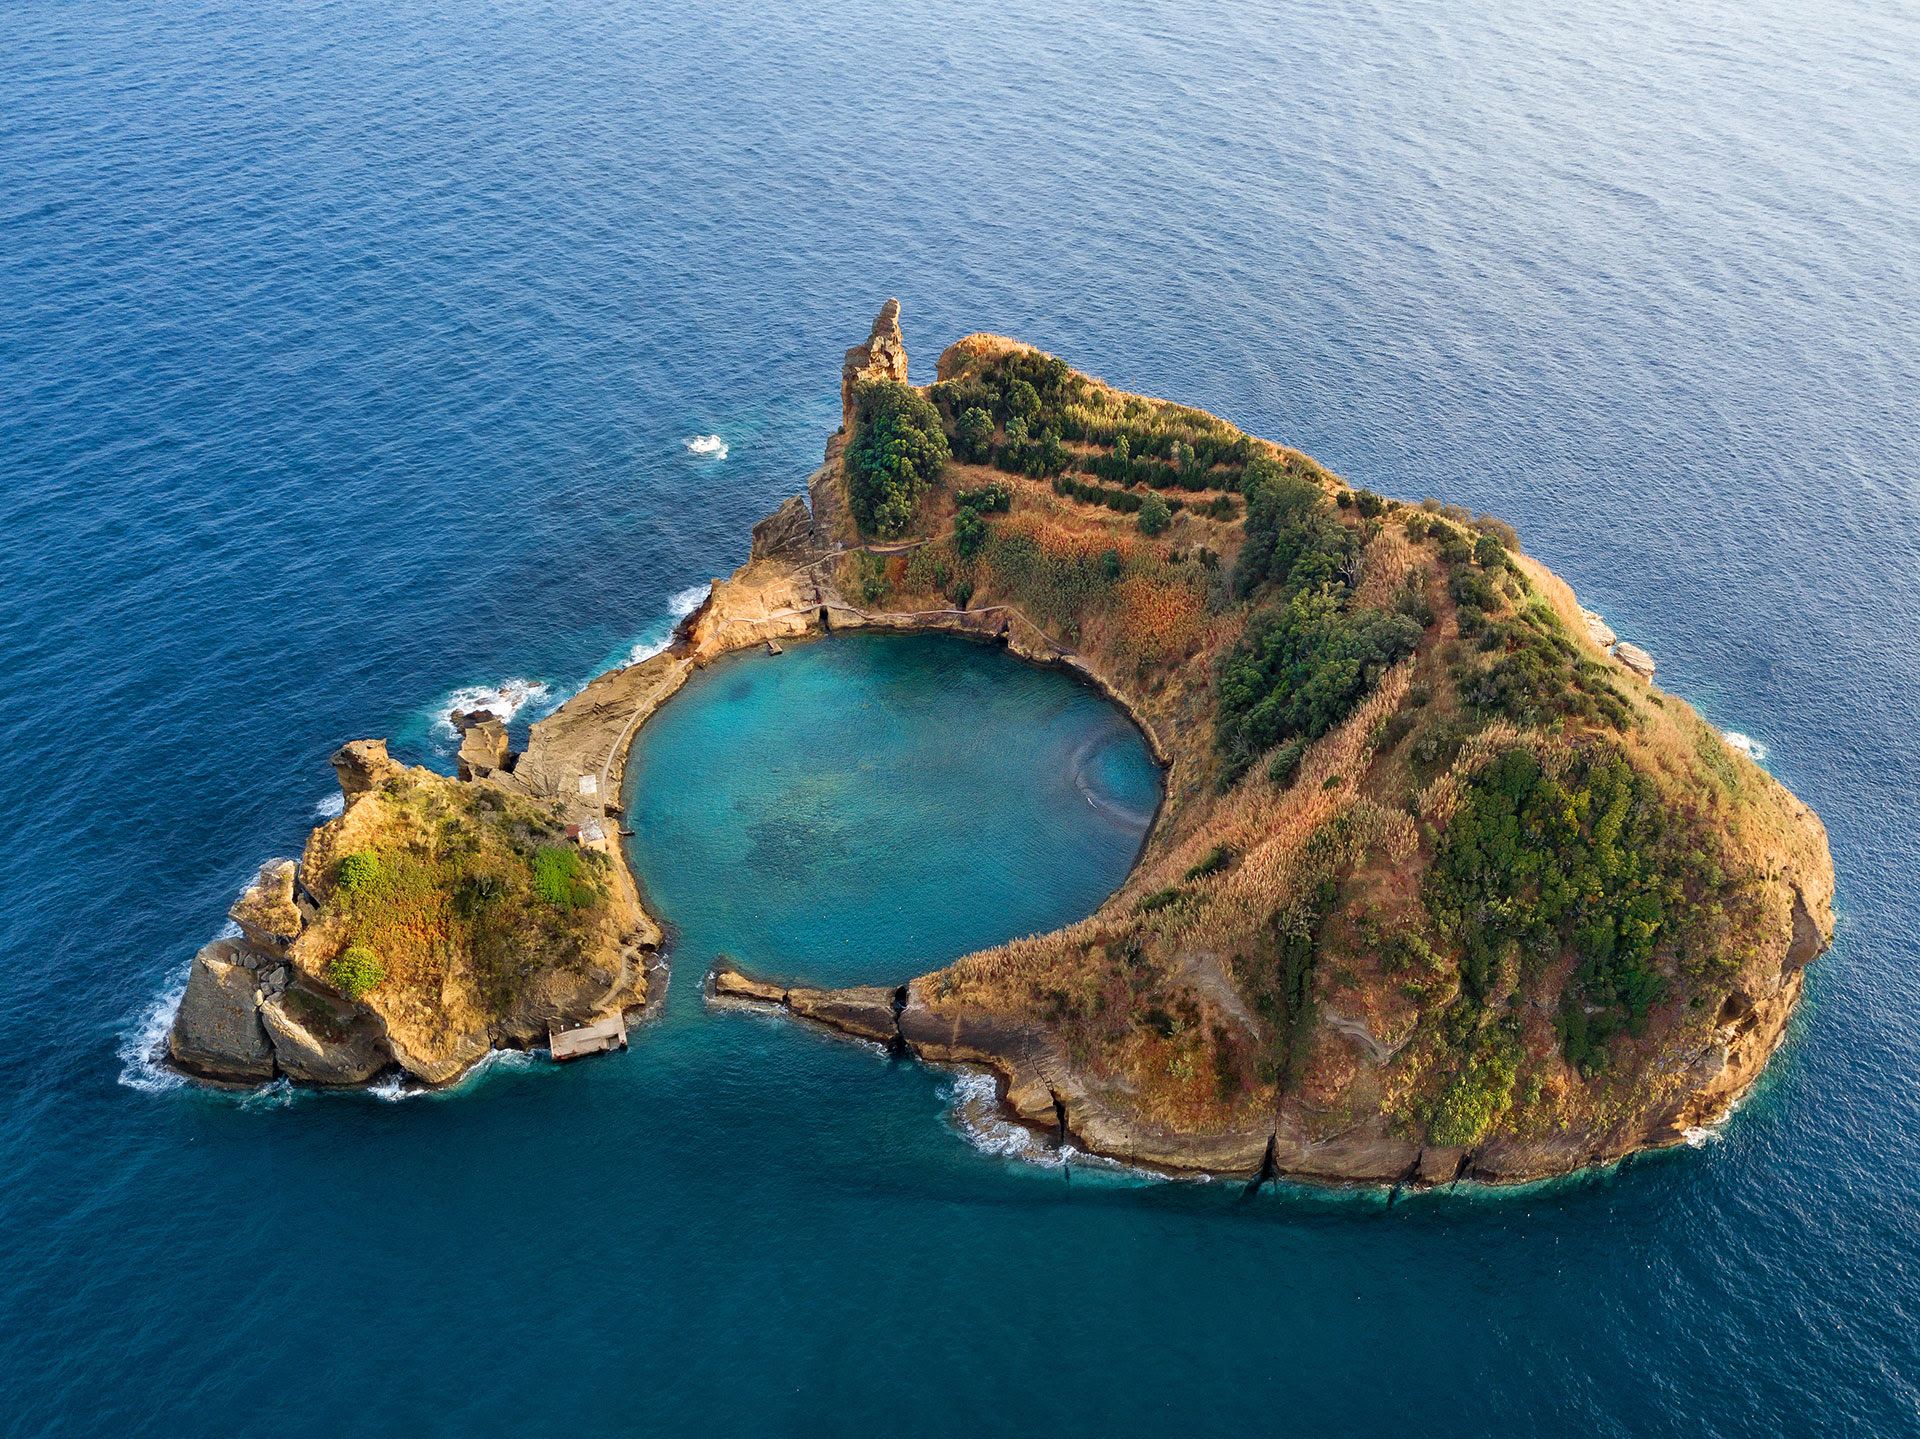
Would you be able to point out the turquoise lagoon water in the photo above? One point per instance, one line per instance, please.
(837, 811)
(349, 356)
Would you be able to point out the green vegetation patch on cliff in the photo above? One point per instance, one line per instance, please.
(1309, 655)
(1581, 854)
(448, 875)
(898, 451)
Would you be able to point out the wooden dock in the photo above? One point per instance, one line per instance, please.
(597, 1038)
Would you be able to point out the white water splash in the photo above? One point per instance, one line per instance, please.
(331, 806)
(707, 447)
(659, 636)
(143, 1048)
(400, 1085)
(504, 701)
(973, 1100)
(1747, 745)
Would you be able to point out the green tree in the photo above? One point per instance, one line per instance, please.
(899, 451)
(1023, 401)
(969, 532)
(356, 971)
(973, 436)
(1155, 517)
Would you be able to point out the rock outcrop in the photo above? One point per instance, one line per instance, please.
(787, 533)
(266, 912)
(484, 749)
(321, 1039)
(883, 356)
(217, 1033)
(363, 765)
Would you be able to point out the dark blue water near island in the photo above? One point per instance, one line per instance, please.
(348, 359)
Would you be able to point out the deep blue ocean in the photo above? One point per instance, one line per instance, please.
(349, 356)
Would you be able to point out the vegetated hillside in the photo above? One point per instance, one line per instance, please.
(432, 920)
(1431, 860)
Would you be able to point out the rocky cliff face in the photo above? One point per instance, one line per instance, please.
(883, 356)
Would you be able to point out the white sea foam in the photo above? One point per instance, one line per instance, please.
(659, 636)
(973, 1100)
(331, 805)
(707, 447)
(504, 701)
(143, 1048)
(398, 1086)
(1747, 745)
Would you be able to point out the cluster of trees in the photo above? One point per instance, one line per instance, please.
(1187, 468)
(899, 449)
(1534, 863)
(1537, 672)
(1308, 655)
(1300, 669)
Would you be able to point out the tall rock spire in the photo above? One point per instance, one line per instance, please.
(883, 356)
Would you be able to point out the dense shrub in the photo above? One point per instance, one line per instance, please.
(1155, 517)
(1292, 539)
(1480, 1091)
(356, 971)
(1533, 864)
(1215, 860)
(1300, 668)
(969, 532)
(993, 498)
(357, 873)
(973, 436)
(1539, 673)
(898, 452)
(561, 879)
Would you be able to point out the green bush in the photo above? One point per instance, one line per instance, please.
(1489, 553)
(1300, 668)
(1022, 400)
(1215, 860)
(357, 873)
(969, 532)
(961, 592)
(1478, 1094)
(973, 436)
(899, 451)
(356, 971)
(1286, 759)
(993, 498)
(561, 880)
(870, 577)
(1155, 517)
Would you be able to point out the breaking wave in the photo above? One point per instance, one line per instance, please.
(659, 636)
(707, 447)
(331, 806)
(1747, 745)
(973, 1100)
(505, 700)
(143, 1049)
